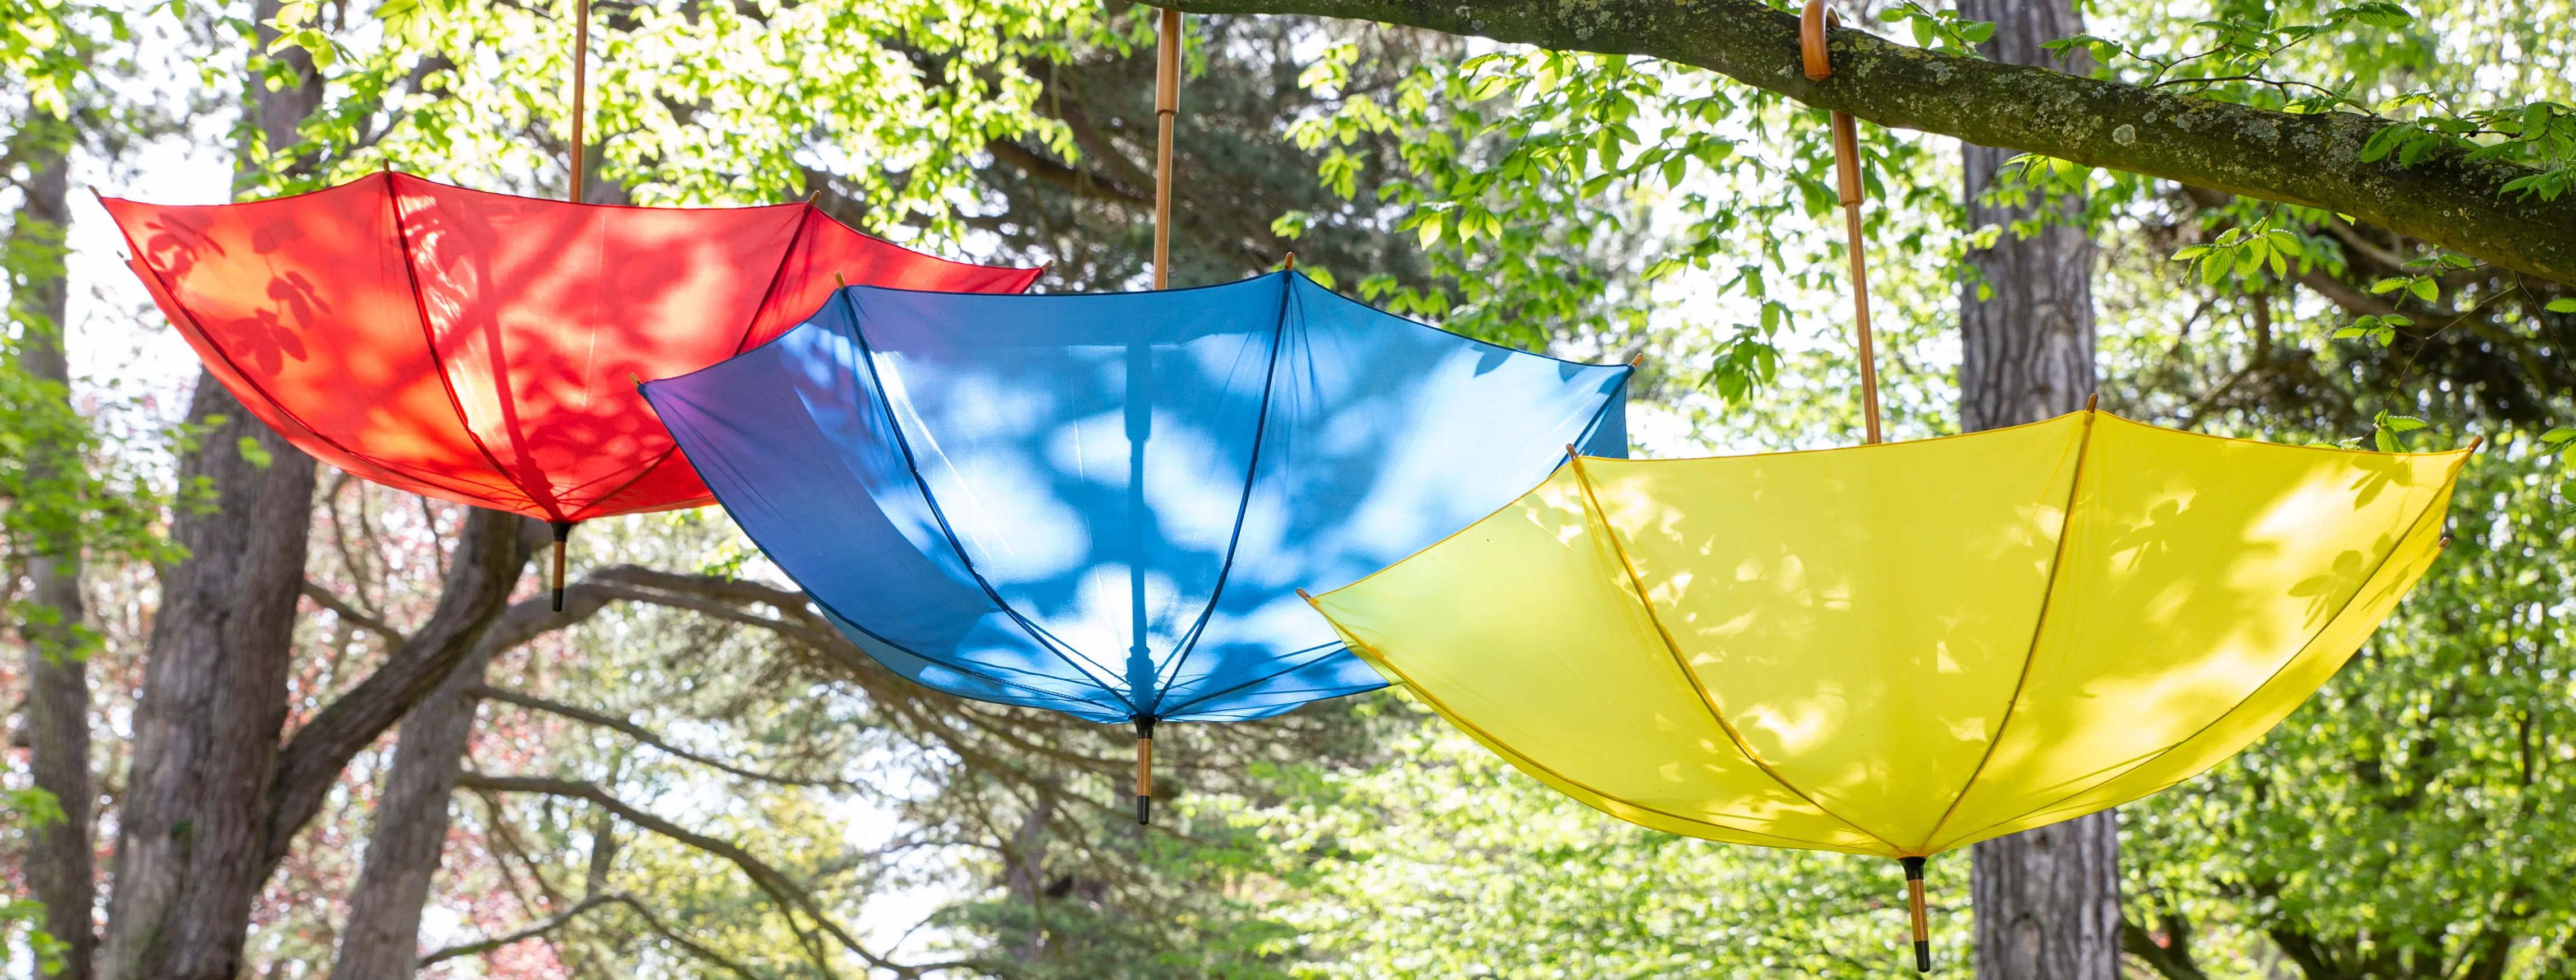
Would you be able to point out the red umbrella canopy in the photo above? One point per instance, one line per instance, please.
(484, 348)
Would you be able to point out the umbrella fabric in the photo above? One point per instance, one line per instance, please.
(478, 347)
(1103, 504)
(1904, 648)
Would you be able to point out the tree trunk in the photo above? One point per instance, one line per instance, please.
(2026, 347)
(382, 935)
(2047, 901)
(194, 829)
(61, 872)
(193, 832)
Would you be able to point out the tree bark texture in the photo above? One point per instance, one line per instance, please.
(2313, 160)
(193, 832)
(491, 555)
(2026, 344)
(2047, 901)
(380, 940)
(61, 871)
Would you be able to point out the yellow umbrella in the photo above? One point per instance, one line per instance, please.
(1904, 648)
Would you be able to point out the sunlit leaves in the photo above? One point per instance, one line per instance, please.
(2246, 253)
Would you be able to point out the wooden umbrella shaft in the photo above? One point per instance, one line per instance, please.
(563, 533)
(1847, 180)
(1167, 104)
(580, 140)
(1144, 770)
(1922, 919)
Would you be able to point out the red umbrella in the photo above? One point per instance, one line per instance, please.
(484, 348)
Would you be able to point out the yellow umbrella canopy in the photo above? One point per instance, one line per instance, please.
(1903, 648)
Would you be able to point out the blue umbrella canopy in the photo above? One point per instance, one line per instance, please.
(1104, 504)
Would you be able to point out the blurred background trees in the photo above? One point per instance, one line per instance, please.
(687, 773)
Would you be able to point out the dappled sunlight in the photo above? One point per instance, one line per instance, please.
(483, 348)
(1918, 643)
(1137, 483)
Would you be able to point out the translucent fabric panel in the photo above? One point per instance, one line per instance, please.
(481, 347)
(1925, 643)
(1136, 484)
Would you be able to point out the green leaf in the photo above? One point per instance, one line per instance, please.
(2425, 290)
(2562, 305)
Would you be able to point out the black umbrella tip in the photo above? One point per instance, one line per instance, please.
(558, 598)
(1922, 956)
(1144, 810)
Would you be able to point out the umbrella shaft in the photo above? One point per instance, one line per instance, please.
(1144, 780)
(580, 100)
(1847, 173)
(1167, 103)
(1922, 919)
(563, 531)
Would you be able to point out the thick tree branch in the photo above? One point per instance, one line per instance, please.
(2313, 160)
(490, 556)
(640, 734)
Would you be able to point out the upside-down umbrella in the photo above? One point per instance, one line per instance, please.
(1902, 648)
(1104, 504)
(479, 347)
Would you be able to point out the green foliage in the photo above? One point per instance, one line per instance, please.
(1445, 862)
(2411, 820)
(27, 809)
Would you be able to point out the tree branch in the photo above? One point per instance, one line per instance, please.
(640, 734)
(782, 890)
(552, 923)
(349, 611)
(2312, 160)
(493, 551)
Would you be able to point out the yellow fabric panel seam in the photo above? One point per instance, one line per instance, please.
(2432, 506)
(1599, 516)
(1499, 747)
(2047, 597)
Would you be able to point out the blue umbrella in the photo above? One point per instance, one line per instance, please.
(1104, 504)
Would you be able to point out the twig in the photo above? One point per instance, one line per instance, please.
(540, 928)
(642, 734)
(784, 891)
(352, 614)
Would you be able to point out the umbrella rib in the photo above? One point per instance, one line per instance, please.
(804, 217)
(262, 390)
(1264, 678)
(958, 666)
(885, 402)
(645, 471)
(429, 342)
(1607, 404)
(1379, 660)
(1637, 582)
(2030, 655)
(2412, 528)
(1251, 474)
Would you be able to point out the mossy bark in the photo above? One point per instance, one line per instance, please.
(2312, 160)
